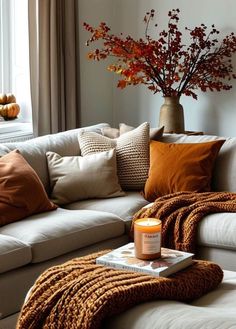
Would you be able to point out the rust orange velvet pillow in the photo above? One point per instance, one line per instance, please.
(21, 191)
(180, 167)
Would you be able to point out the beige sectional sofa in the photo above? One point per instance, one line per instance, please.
(29, 246)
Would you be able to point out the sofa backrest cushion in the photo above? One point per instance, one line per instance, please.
(34, 150)
(224, 172)
(21, 191)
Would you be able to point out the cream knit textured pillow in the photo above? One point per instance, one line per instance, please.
(132, 152)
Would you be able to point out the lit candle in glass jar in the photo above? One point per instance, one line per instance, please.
(147, 238)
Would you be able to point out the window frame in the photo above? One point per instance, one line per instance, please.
(14, 76)
(5, 45)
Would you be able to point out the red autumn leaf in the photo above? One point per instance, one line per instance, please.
(122, 84)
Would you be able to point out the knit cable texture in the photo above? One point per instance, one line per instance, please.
(181, 213)
(80, 294)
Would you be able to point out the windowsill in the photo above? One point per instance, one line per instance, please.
(15, 130)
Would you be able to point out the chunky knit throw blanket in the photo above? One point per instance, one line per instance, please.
(181, 212)
(80, 294)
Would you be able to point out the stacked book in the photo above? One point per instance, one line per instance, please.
(171, 261)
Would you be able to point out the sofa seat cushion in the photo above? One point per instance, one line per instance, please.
(218, 230)
(55, 233)
(124, 207)
(13, 253)
(214, 310)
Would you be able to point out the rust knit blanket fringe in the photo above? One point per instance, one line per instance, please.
(181, 212)
(80, 294)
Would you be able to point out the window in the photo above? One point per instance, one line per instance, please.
(14, 59)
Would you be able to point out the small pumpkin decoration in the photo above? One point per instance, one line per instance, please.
(7, 98)
(10, 98)
(3, 98)
(9, 111)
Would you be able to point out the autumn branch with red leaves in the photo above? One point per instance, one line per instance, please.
(165, 64)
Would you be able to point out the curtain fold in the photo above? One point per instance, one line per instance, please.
(54, 65)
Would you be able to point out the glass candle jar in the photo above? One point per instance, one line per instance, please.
(147, 238)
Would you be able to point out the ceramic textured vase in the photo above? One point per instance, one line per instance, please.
(172, 115)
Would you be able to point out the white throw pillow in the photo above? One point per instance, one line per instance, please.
(132, 151)
(76, 178)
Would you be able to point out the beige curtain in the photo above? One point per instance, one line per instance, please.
(54, 65)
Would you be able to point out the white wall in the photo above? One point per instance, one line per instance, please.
(96, 83)
(213, 113)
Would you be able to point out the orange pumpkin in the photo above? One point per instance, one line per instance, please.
(9, 111)
(7, 98)
(3, 98)
(10, 98)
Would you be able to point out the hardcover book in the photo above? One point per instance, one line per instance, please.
(171, 261)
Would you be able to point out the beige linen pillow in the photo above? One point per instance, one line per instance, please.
(110, 132)
(124, 128)
(132, 151)
(77, 178)
(155, 133)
